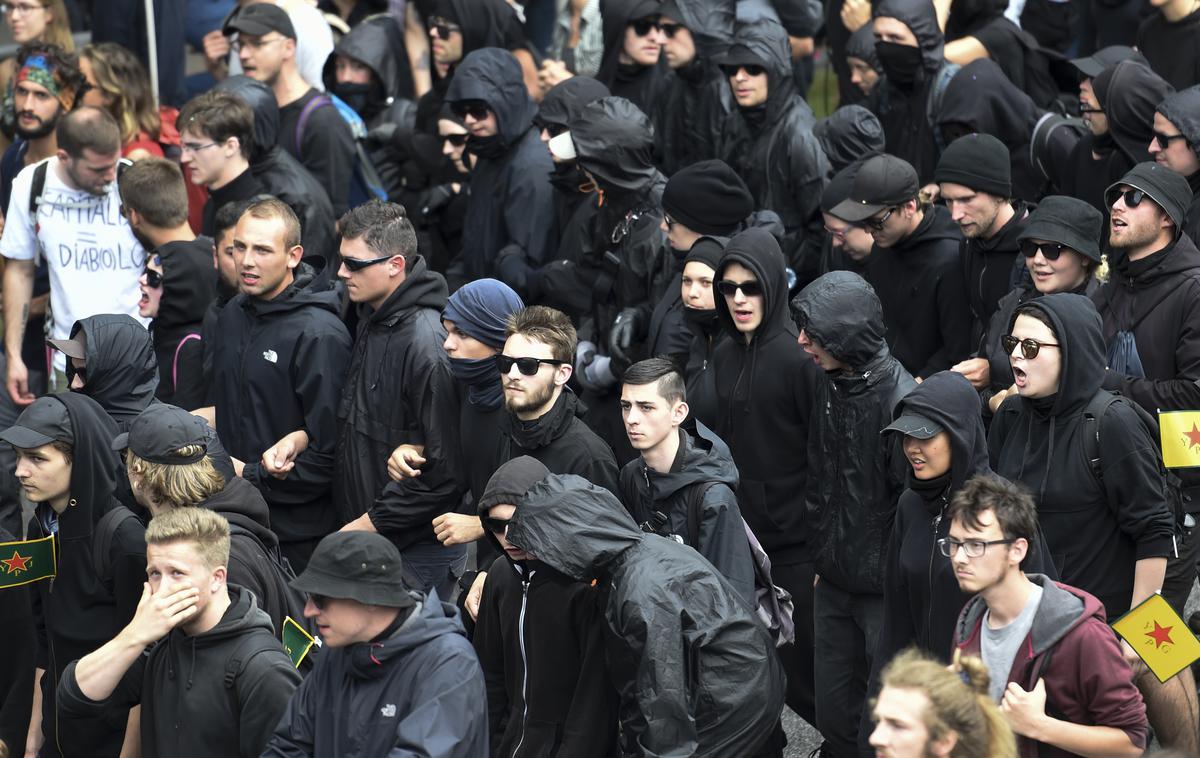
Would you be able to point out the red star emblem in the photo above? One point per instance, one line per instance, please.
(1193, 436)
(17, 563)
(1161, 635)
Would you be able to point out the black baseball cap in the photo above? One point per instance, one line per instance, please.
(882, 181)
(46, 420)
(259, 19)
(160, 430)
(1093, 65)
(360, 566)
(915, 425)
(75, 347)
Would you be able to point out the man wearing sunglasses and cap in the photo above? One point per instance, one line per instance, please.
(397, 674)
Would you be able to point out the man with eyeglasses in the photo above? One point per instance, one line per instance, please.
(314, 42)
(1046, 645)
(396, 673)
(914, 266)
(1176, 145)
(847, 246)
(216, 132)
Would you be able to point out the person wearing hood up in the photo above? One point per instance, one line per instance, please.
(1149, 307)
(768, 140)
(384, 643)
(668, 613)
(978, 29)
(914, 266)
(1128, 93)
(862, 62)
(695, 102)
(633, 66)
(908, 99)
(510, 213)
(1176, 145)
(849, 507)
(67, 467)
(189, 624)
(540, 641)
(847, 135)
(847, 246)
(1168, 39)
(698, 291)
(458, 28)
(178, 283)
(765, 387)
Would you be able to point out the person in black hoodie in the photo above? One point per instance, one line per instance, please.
(224, 223)
(510, 214)
(847, 246)
(850, 506)
(633, 66)
(768, 140)
(540, 641)
(914, 266)
(862, 64)
(279, 367)
(1176, 145)
(67, 467)
(847, 135)
(700, 316)
(765, 387)
(18, 637)
(194, 627)
(1129, 92)
(1168, 38)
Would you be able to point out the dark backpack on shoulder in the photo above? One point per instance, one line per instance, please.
(279, 575)
(102, 542)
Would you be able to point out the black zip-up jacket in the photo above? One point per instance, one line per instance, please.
(189, 285)
(1158, 299)
(989, 266)
(280, 367)
(852, 502)
(765, 391)
(75, 613)
(188, 711)
(919, 281)
(721, 534)
(562, 442)
(1096, 532)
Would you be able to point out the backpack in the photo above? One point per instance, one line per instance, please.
(774, 604)
(933, 105)
(38, 185)
(365, 183)
(280, 578)
(102, 540)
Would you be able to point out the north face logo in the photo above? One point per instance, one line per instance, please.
(388, 711)
(271, 356)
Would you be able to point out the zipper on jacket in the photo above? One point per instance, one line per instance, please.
(524, 662)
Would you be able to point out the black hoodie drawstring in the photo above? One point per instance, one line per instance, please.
(192, 668)
(1049, 461)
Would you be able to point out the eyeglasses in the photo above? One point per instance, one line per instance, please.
(1050, 250)
(527, 366)
(729, 288)
(1029, 347)
(1083, 110)
(877, 223)
(731, 69)
(840, 234)
(669, 30)
(320, 601)
(154, 278)
(20, 9)
(254, 44)
(476, 109)
(1164, 140)
(973, 548)
(494, 525)
(458, 140)
(670, 222)
(642, 26)
(1133, 197)
(442, 27)
(192, 147)
(358, 264)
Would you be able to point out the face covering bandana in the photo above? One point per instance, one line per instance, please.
(901, 63)
(356, 96)
(482, 377)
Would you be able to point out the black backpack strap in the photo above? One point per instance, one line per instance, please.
(249, 647)
(36, 188)
(1092, 414)
(695, 503)
(102, 540)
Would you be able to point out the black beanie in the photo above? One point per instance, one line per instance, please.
(707, 250)
(511, 481)
(708, 198)
(978, 161)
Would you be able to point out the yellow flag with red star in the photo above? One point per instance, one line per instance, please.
(1180, 435)
(25, 562)
(1159, 636)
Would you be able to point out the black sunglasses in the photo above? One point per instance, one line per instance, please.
(476, 109)
(358, 264)
(729, 288)
(1050, 250)
(153, 278)
(443, 27)
(1133, 197)
(752, 69)
(877, 223)
(458, 140)
(1083, 110)
(1164, 140)
(319, 600)
(494, 525)
(669, 30)
(642, 26)
(1029, 347)
(527, 366)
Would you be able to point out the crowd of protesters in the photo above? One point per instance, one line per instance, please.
(477, 378)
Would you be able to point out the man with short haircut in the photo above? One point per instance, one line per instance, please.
(914, 266)
(396, 675)
(310, 127)
(216, 132)
(1176, 145)
(682, 483)
(279, 366)
(224, 222)
(314, 40)
(200, 631)
(1047, 646)
(93, 255)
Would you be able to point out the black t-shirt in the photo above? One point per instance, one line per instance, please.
(1171, 48)
(321, 140)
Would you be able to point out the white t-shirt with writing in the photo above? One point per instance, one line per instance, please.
(93, 257)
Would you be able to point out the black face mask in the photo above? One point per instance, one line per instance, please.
(357, 96)
(900, 63)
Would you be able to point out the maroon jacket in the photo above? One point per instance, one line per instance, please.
(1071, 647)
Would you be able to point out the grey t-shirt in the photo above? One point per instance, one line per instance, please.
(999, 646)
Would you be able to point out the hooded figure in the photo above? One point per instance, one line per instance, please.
(1183, 110)
(282, 175)
(1096, 530)
(189, 286)
(861, 45)
(511, 211)
(1012, 48)
(706, 332)
(849, 134)
(1129, 92)
(696, 672)
(908, 97)
(641, 85)
(772, 147)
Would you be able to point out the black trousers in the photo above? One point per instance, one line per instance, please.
(797, 658)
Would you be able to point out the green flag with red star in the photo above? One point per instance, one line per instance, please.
(25, 562)
(296, 641)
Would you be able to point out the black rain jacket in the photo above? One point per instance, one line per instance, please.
(1183, 110)
(189, 286)
(1131, 92)
(849, 134)
(641, 85)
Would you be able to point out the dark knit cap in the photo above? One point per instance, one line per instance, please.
(1162, 185)
(1068, 221)
(707, 250)
(708, 198)
(978, 161)
(839, 188)
(481, 309)
(511, 481)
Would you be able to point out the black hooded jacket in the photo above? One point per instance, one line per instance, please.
(696, 672)
(560, 106)
(1096, 531)
(773, 149)
(188, 709)
(1183, 110)
(721, 535)
(76, 612)
(399, 347)
(919, 280)
(641, 85)
(189, 286)
(765, 391)
(852, 503)
(279, 367)
(282, 175)
(849, 134)
(511, 211)
(1129, 92)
